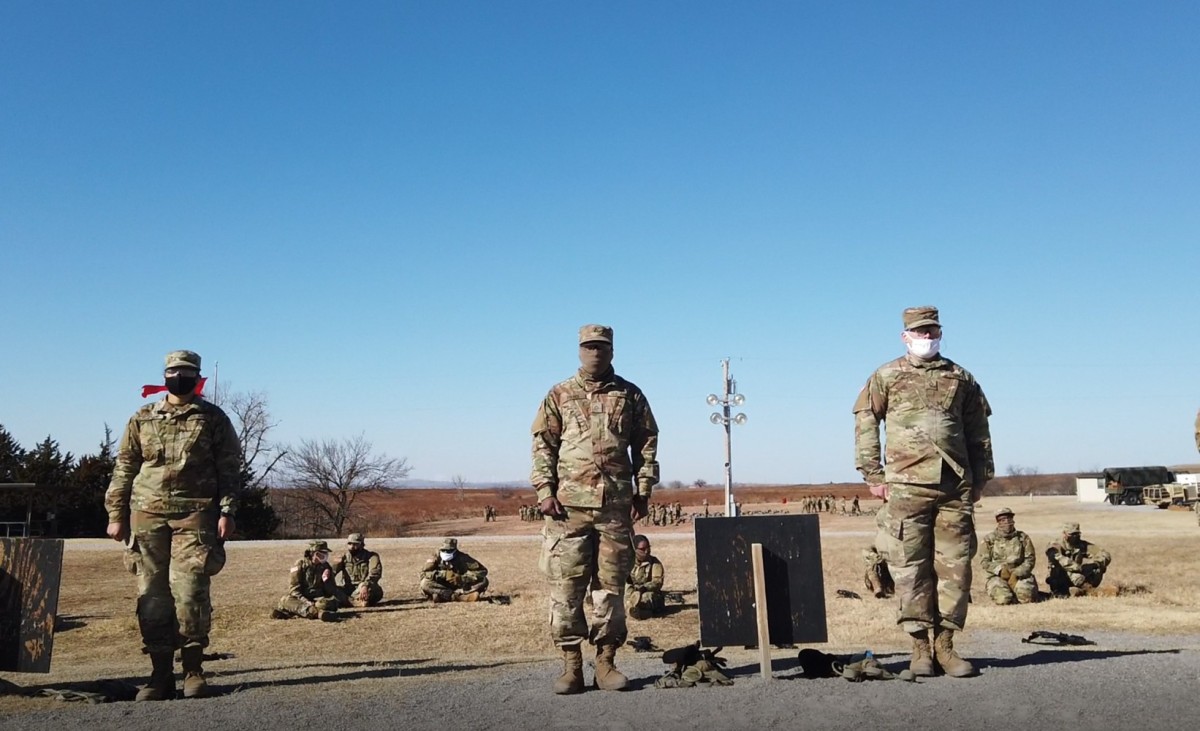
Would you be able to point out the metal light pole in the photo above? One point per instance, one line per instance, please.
(730, 398)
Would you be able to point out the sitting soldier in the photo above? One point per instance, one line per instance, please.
(643, 588)
(1007, 558)
(453, 576)
(1076, 566)
(358, 571)
(877, 577)
(313, 593)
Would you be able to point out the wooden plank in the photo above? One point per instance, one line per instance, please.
(760, 606)
(30, 569)
(792, 569)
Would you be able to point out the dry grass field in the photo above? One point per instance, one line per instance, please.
(98, 635)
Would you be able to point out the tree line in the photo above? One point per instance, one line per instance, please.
(322, 478)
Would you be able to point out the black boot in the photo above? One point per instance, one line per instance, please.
(162, 678)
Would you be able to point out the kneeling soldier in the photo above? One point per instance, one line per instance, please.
(453, 576)
(643, 588)
(313, 595)
(1007, 559)
(358, 572)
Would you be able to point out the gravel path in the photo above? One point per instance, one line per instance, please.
(1125, 681)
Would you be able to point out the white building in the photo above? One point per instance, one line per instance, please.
(1089, 488)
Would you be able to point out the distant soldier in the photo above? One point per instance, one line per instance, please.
(876, 575)
(1076, 566)
(175, 486)
(595, 448)
(854, 507)
(705, 507)
(358, 571)
(643, 589)
(312, 593)
(1007, 559)
(937, 461)
(453, 576)
(843, 506)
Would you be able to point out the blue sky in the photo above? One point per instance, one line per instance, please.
(393, 217)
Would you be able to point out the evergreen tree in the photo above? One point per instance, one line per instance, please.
(50, 469)
(256, 519)
(85, 516)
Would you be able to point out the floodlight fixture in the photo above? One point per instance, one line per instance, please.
(713, 400)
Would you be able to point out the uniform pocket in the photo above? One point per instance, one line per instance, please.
(132, 558)
(565, 558)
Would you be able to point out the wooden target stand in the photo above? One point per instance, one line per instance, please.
(759, 582)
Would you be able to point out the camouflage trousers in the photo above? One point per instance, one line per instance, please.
(643, 604)
(365, 594)
(176, 556)
(591, 548)
(297, 606)
(1021, 591)
(443, 592)
(1061, 581)
(928, 537)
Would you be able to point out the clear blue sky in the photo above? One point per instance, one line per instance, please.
(392, 217)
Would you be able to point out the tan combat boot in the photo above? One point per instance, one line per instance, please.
(162, 678)
(943, 652)
(194, 685)
(921, 664)
(607, 675)
(571, 680)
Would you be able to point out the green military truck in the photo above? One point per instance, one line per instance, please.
(1129, 485)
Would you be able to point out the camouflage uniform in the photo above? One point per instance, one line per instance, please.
(177, 469)
(1007, 559)
(938, 449)
(595, 443)
(1076, 566)
(358, 572)
(643, 589)
(462, 578)
(310, 593)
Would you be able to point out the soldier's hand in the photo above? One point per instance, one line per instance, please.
(118, 531)
(552, 507)
(879, 490)
(977, 492)
(641, 505)
(225, 527)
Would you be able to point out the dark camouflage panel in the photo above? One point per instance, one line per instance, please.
(929, 539)
(936, 416)
(589, 548)
(1077, 565)
(178, 555)
(175, 459)
(594, 442)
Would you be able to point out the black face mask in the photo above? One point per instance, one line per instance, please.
(181, 385)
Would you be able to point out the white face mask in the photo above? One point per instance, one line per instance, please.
(447, 556)
(923, 348)
(319, 557)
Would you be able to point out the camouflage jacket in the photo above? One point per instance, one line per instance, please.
(646, 576)
(592, 441)
(1014, 550)
(1072, 557)
(364, 567)
(936, 415)
(175, 459)
(307, 582)
(461, 572)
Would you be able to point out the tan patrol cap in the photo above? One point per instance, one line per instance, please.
(321, 546)
(183, 359)
(915, 317)
(1002, 512)
(450, 544)
(1069, 528)
(355, 538)
(595, 333)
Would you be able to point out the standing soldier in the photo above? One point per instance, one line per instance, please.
(1007, 559)
(175, 485)
(938, 459)
(595, 446)
(358, 572)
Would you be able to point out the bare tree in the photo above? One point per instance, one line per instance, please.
(329, 476)
(460, 485)
(1022, 478)
(253, 421)
(700, 483)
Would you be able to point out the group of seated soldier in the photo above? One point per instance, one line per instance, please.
(1007, 557)
(319, 587)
